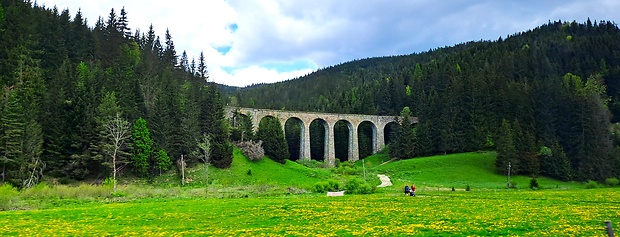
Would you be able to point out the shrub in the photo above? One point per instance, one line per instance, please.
(311, 163)
(513, 184)
(467, 188)
(108, 182)
(358, 186)
(249, 172)
(326, 186)
(591, 184)
(333, 185)
(534, 184)
(366, 188)
(8, 195)
(346, 167)
(612, 182)
(319, 187)
(251, 149)
(452, 188)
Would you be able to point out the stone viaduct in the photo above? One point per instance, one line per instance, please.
(304, 119)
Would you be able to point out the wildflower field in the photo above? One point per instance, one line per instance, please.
(574, 212)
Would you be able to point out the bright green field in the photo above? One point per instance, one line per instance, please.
(476, 169)
(516, 213)
(272, 209)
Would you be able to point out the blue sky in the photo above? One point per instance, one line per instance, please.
(263, 41)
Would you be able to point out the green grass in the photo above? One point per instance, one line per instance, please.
(275, 200)
(440, 213)
(476, 169)
(244, 172)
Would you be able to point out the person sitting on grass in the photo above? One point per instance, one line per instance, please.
(407, 190)
(412, 192)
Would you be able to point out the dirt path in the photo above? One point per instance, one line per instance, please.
(385, 181)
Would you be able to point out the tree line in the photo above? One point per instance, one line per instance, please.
(68, 90)
(544, 99)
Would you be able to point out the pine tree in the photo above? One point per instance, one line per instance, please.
(162, 161)
(170, 54)
(274, 143)
(202, 68)
(123, 24)
(404, 145)
(11, 132)
(506, 150)
(143, 150)
(215, 125)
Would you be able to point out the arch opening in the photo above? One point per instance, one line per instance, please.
(294, 133)
(343, 134)
(366, 139)
(318, 140)
(389, 134)
(242, 127)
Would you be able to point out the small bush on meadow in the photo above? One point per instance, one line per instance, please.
(108, 182)
(44, 191)
(346, 167)
(534, 184)
(319, 187)
(358, 186)
(311, 163)
(251, 149)
(333, 185)
(8, 195)
(326, 186)
(612, 182)
(513, 184)
(41, 190)
(591, 184)
(467, 188)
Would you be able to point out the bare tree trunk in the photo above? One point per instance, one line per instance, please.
(114, 169)
(182, 171)
(207, 170)
(118, 130)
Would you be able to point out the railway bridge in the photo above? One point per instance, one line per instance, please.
(353, 121)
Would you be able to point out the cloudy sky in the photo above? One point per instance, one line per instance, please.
(262, 41)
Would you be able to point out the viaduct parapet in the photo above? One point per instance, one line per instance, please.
(304, 119)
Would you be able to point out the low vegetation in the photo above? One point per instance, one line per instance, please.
(526, 213)
(458, 194)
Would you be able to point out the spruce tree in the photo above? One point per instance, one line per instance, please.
(143, 150)
(274, 143)
(11, 132)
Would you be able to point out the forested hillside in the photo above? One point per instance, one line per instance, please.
(545, 99)
(77, 101)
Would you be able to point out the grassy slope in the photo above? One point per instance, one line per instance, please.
(476, 169)
(263, 172)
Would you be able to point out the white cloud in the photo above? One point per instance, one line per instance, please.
(254, 75)
(326, 32)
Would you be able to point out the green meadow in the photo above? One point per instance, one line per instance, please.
(268, 199)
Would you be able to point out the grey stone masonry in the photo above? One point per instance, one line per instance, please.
(305, 118)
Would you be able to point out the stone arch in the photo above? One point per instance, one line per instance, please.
(388, 129)
(319, 143)
(375, 138)
(345, 140)
(242, 127)
(294, 131)
(367, 138)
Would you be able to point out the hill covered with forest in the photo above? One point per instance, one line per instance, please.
(545, 99)
(80, 102)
